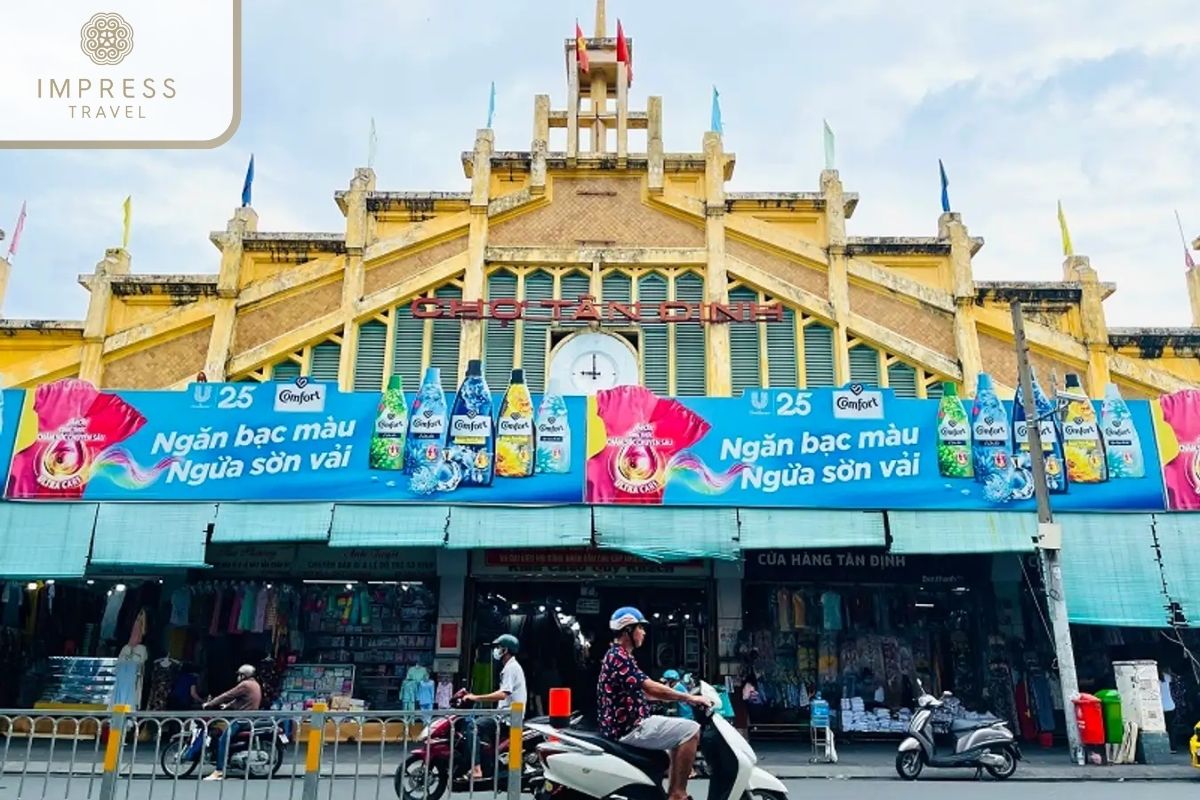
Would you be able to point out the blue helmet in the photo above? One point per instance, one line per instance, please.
(622, 618)
(670, 675)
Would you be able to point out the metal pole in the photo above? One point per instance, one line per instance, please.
(516, 758)
(1049, 542)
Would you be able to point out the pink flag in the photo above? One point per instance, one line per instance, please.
(1187, 251)
(16, 237)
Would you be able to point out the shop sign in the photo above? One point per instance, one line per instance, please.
(586, 309)
(316, 561)
(865, 566)
(850, 448)
(578, 561)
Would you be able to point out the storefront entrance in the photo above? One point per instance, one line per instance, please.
(558, 602)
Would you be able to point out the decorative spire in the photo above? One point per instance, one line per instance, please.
(600, 21)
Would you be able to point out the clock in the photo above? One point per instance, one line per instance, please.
(589, 362)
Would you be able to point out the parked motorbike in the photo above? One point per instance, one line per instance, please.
(256, 750)
(985, 744)
(586, 766)
(425, 774)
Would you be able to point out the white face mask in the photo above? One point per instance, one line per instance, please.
(497, 653)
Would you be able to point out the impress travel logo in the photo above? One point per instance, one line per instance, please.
(134, 74)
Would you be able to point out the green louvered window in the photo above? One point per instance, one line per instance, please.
(285, 371)
(500, 340)
(368, 368)
(326, 357)
(818, 356)
(690, 357)
(574, 286)
(781, 351)
(408, 339)
(934, 390)
(538, 286)
(652, 290)
(617, 288)
(902, 380)
(444, 350)
(864, 365)
(745, 366)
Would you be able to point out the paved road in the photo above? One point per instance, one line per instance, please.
(943, 787)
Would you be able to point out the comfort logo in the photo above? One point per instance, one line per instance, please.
(857, 402)
(300, 396)
(142, 74)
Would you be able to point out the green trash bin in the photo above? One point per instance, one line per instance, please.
(1114, 725)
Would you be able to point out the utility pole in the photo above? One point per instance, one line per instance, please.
(1049, 542)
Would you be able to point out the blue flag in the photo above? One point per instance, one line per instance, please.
(945, 188)
(492, 105)
(716, 112)
(248, 185)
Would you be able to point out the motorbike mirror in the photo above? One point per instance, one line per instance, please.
(947, 694)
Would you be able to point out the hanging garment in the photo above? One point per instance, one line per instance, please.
(783, 607)
(131, 662)
(443, 694)
(408, 695)
(181, 603)
(214, 627)
(799, 615)
(261, 602)
(831, 609)
(248, 609)
(425, 694)
(235, 612)
(112, 610)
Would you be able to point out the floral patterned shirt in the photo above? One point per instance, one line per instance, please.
(621, 701)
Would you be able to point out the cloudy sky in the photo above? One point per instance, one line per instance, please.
(1027, 102)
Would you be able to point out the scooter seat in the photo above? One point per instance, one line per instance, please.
(967, 725)
(653, 762)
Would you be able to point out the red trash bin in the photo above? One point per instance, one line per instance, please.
(1089, 715)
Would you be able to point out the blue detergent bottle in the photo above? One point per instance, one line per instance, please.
(471, 439)
(991, 447)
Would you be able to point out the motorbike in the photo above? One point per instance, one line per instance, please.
(579, 765)
(985, 744)
(256, 750)
(447, 743)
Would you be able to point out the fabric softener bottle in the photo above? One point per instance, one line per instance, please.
(471, 442)
(1122, 446)
(426, 424)
(514, 430)
(1081, 437)
(954, 435)
(991, 448)
(553, 433)
(391, 423)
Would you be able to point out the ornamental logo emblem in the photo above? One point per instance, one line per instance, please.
(106, 39)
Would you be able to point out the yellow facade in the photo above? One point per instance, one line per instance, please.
(615, 217)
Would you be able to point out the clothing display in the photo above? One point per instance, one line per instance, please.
(181, 602)
(112, 608)
(443, 694)
(129, 672)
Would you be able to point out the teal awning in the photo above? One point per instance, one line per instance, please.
(668, 534)
(1178, 538)
(770, 528)
(548, 526)
(388, 526)
(45, 540)
(149, 536)
(272, 522)
(1110, 570)
(946, 532)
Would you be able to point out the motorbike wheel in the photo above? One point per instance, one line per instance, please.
(416, 780)
(172, 758)
(260, 763)
(1009, 767)
(909, 764)
(764, 794)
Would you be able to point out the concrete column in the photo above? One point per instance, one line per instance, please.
(573, 110)
(622, 114)
(116, 262)
(471, 341)
(719, 374)
(540, 145)
(1095, 329)
(839, 285)
(1193, 284)
(357, 231)
(727, 577)
(229, 282)
(654, 143)
(452, 592)
(599, 106)
(5, 272)
(966, 333)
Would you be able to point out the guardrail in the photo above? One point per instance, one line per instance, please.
(298, 755)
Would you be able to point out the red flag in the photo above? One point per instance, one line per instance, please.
(12, 246)
(581, 47)
(623, 52)
(1187, 257)
(1187, 251)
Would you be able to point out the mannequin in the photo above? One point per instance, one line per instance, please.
(131, 663)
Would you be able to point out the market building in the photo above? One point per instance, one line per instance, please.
(592, 259)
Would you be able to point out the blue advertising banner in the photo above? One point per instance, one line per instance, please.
(851, 448)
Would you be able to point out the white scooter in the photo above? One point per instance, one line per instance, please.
(587, 766)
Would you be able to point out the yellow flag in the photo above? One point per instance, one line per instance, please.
(128, 206)
(1068, 250)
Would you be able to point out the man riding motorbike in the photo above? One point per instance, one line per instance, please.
(622, 692)
(512, 690)
(246, 695)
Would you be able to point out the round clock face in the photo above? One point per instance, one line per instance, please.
(589, 362)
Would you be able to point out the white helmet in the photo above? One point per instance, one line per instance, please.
(622, 618)
(245, 671)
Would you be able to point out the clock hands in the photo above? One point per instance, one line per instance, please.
(594, 373)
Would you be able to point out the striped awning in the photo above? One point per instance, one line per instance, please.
(772, 528)
(947, 532)
(45, 540)
(149, 536)
(669, 534)
(388, 526)
(495, 527)
(1178, 537)
(272, 522)
(1111, 573)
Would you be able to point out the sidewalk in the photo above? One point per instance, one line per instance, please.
(790, 760)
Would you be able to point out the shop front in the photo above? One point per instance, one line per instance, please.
(557, 602)
(859, 627)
